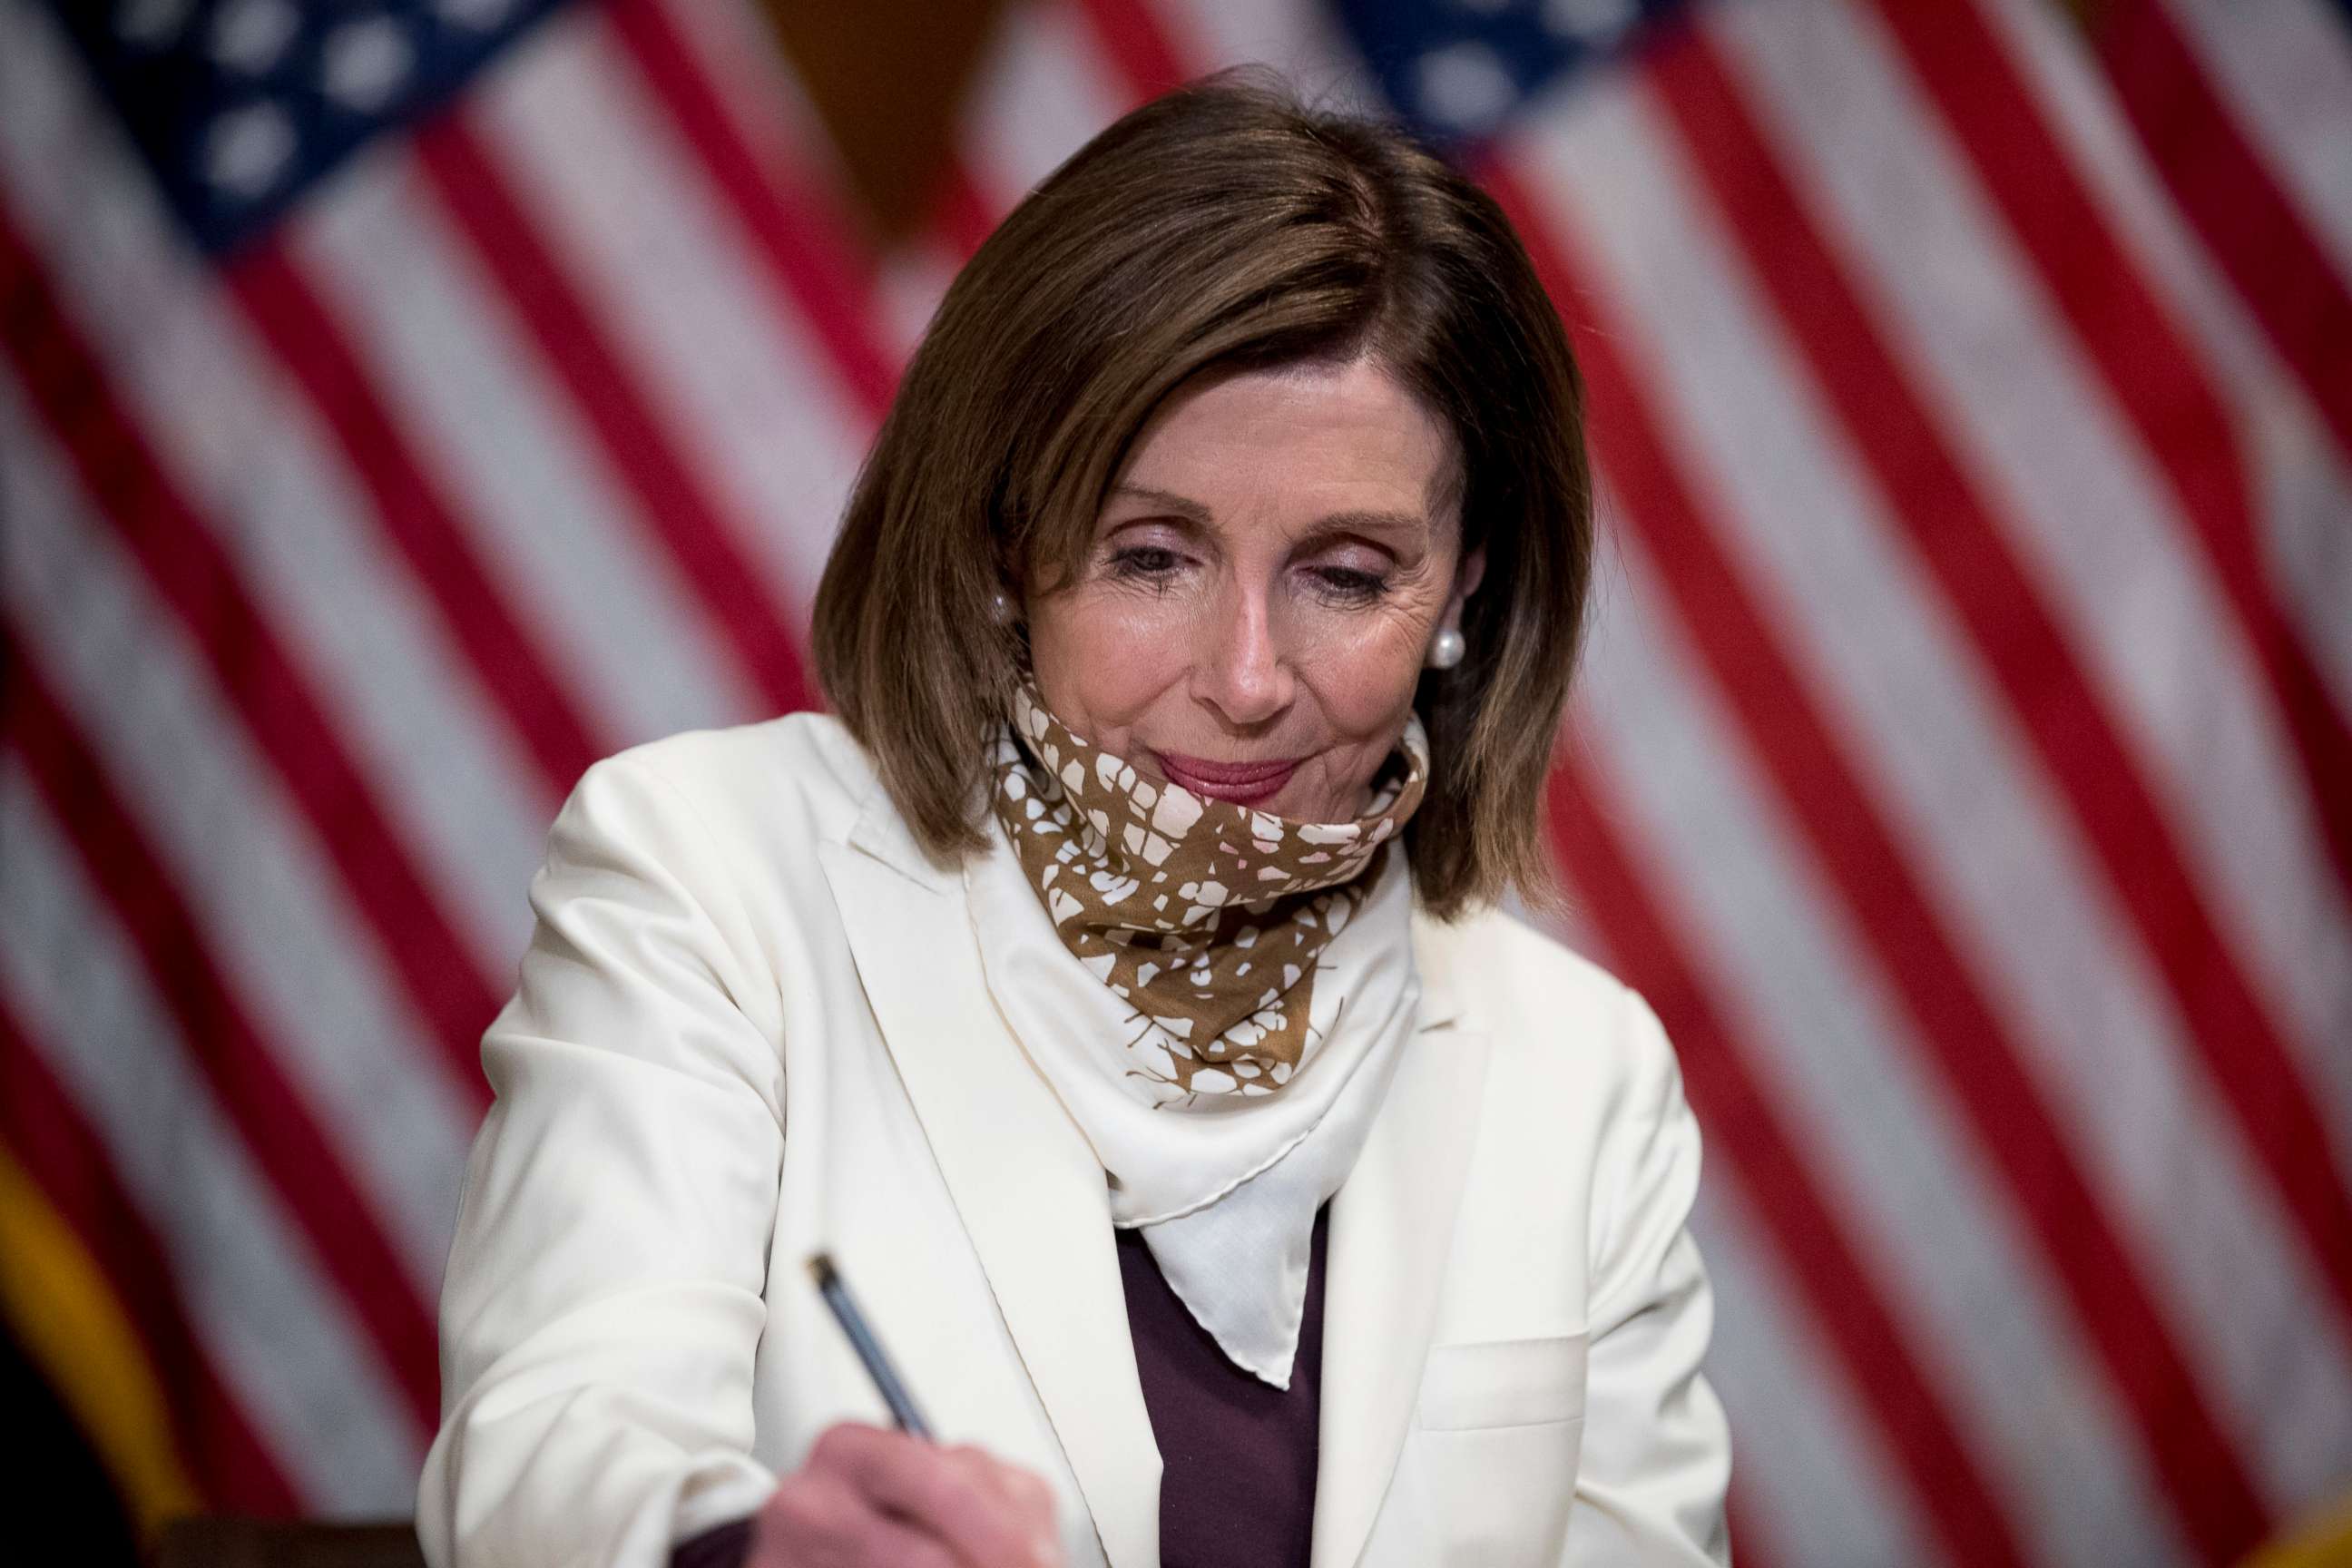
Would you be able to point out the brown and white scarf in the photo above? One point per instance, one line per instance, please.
(1216, 995)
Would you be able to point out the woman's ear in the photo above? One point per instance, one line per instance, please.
(1467, 578)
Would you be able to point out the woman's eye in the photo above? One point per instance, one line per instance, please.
(1349, 585)
(1145, 563)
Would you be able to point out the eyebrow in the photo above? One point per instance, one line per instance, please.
(1193, 512)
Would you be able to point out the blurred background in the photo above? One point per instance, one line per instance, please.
(403, 405)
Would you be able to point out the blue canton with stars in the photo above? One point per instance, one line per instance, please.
(240, 106)
(1457, 69)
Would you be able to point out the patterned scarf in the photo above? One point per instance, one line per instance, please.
(1208, 919)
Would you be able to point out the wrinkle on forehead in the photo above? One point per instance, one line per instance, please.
(1357, 519)
(1350, 428)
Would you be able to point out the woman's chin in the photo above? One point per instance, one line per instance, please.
(1306, 805)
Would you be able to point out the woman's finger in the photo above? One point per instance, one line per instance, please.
(812, 1520)
(1023, 1492)
(817, 1519)
(968, 1499)
(888, 1543)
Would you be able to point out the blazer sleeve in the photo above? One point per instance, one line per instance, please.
(604, 1300)
(1657, 1453)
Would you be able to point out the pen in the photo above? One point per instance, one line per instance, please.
(836, 1292)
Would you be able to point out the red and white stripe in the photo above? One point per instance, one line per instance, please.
(284, 941)
(727, 357)
(597, 595)
(1865, 628)
(299, 619)
(2085, 502)
(178, 378)
(253, 1294)
(2242, 119)
(1815, 1483)
(1829, 1050)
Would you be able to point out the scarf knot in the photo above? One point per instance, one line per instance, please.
(1207, 918)
(1155, 955)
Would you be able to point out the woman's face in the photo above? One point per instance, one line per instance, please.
(1260, 592)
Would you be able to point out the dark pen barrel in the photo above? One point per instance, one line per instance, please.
(878, 1367)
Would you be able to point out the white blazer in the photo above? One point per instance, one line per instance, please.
(751, 1025)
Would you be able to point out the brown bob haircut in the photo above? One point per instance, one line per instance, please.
(1224, 227)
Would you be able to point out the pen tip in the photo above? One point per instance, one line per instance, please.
(820, 1267)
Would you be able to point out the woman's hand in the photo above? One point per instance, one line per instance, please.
(870, 1496)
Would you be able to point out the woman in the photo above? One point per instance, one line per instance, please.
(1114, 988)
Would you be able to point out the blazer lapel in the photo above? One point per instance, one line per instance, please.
(1392, 1225)
(1026, 1186)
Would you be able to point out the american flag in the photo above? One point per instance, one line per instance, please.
(403, 405)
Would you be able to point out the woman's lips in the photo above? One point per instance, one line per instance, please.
(1242, 784)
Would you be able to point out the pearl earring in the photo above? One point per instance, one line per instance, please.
(1446, 648)
(1000, 607)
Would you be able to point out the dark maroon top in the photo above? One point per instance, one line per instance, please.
(1237, 1456)
(722, 1546)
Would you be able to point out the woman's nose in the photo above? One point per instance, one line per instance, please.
(1240, 667)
